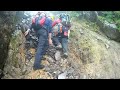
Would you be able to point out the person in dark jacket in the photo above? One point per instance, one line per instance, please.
(44, 36)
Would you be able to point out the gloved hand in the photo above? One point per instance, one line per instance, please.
(50, 42)
(26, 33)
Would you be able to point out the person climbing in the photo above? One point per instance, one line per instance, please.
(43, 27)
(55, 34)
(62, 24)
(34, 26)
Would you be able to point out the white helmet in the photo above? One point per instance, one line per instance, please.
(43, 14)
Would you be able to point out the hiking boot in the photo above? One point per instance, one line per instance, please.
(59, 46)
(65, 55)
(41, 67)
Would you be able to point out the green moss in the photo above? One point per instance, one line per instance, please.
(14, 46)
(111, 18)
(72, 34)
(102, 19)
(93, 26)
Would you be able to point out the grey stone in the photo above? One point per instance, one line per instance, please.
(17, 71)
(62, 75)
(63, 69)
(50, 60)
(110, 30)
(70, 70)
(57, 55)
(81, 31)
(71, 77)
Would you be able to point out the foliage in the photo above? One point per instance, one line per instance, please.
(111, 17)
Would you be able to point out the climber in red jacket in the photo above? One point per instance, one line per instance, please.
(60, 38)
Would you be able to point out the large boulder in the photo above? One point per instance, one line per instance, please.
(110, 30)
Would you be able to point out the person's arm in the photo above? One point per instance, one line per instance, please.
(50, 33)
(54, 23)
(28, 30)
(50, 38)
(26, 33)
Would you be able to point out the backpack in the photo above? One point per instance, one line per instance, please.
(66, 20)
(57, 29)
(66, 24)
(38, 22)
(62, 26)
(60, 29)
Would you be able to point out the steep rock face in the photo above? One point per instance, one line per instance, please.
(93, 55)
(8, 20)
(6, 29)
(19, 64)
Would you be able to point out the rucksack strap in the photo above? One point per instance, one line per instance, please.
(42, 21)
(60, 28)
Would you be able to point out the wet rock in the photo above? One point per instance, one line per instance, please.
(51, 60)
(26, 70)
(62, 75)
(29, 56)
(57, 72)
(57, 55)
(1, 73)
(83, 77)
(71, 77)
(45, 63)
(63, 69)
(13, 75)
(47, 68)
(63, 61)
(7, 69)
(97, 75)
(7, 77)
(76, 77)
(70, 70)
(32, 51)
